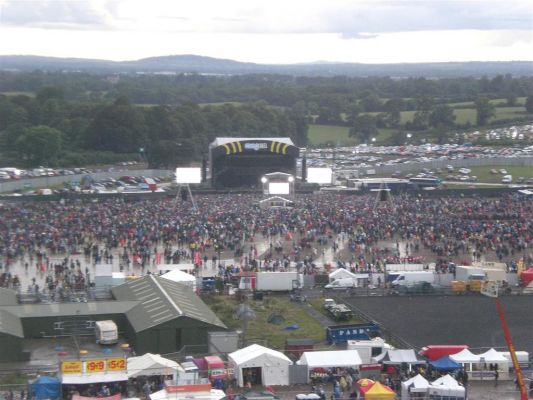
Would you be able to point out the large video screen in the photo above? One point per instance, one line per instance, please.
(319, 175)
(188, 175)
(278, 188)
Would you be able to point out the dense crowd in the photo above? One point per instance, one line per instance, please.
(165, 231)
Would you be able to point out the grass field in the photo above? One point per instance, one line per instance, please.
(483, 173)
(339, 135)
(273, 335)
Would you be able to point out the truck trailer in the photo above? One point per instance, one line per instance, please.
(278, 281)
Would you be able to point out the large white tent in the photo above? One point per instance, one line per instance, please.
(272, 365)
(179, 276)
(447, 386)
(417, 384)
(496, 358)
(153, 364)
(330, 359)
(466, 358)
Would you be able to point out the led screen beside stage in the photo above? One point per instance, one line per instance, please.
(188, 175)
(278, 188)
(319, 175)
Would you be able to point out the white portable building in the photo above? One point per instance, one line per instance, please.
(271, 365)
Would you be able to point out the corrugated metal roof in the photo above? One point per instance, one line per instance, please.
(8, 297)
(10, 324)
(70, 309)
(162, 300)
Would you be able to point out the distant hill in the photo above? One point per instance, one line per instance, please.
(209, 65)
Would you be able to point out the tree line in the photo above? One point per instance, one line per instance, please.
(48, 129)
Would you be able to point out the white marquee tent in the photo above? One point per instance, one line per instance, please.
(272, 365)
(466, 358)
(417, 384)
(330, 359)
(179, 276)
(153, 364)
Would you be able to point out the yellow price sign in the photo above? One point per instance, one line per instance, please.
(116, 364)
(94, 366)
(71, 367)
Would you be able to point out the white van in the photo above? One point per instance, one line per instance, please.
(411, 277)
(342, 283)
(106, 332)
(507, 179)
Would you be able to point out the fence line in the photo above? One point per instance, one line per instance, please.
(54, 181)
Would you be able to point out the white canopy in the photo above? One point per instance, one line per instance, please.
(447, 386)
(179, 276)
(493, 356)
(75, 379)
(152, 364)
(465, 356)
(171, 267)
(400, 356)
(328, 359)
(446, 380)
(246, 354)
(417, 384)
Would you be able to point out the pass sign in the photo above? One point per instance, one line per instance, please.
(116, 364)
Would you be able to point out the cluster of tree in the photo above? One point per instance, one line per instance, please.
(331, 96)
(49, 130)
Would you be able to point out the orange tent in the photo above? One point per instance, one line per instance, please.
(379, 392)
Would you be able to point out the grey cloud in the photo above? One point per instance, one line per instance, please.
(52, 14)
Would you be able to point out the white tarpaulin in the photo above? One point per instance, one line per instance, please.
(179, 276)
(214, 394)
(172, 267)
(274, 364)
(152, 364)
(75, 379)
(329, 359)
(341, 273)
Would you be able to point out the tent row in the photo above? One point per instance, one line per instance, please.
(444, 387)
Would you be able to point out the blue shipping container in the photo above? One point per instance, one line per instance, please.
(343, 333)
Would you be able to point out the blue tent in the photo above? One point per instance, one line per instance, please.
(445, 364)
(45, 387)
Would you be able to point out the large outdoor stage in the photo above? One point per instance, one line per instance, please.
(241, 162)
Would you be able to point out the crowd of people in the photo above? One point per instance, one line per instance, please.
(363, 234)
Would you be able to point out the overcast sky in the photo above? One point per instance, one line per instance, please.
(272, 31)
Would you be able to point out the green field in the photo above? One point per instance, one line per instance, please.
(339, 135)
(272, 335)
(483, 173)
